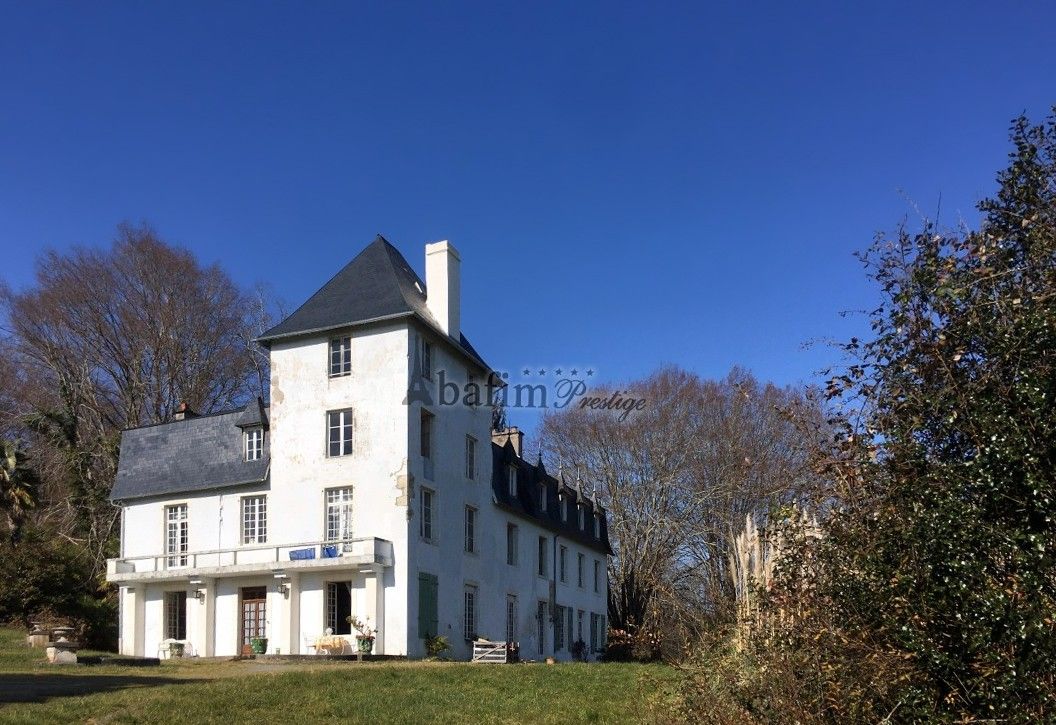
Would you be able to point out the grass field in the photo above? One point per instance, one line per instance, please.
(32, 691)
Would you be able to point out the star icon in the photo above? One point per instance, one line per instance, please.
(542, 372)
(574, 371)
(526, 371)
(589, 373)
(558, 371)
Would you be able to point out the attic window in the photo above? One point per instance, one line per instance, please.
(427, 360)
(254, 440)
(512, 480)
(582, 520)
(597, 528)
(340, 356)
(542, 497)
(564, 509)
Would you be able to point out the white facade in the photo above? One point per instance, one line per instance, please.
(219, 580)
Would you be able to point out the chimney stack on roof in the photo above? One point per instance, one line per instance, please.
(514, 435)
(443, 286)
(184, 411)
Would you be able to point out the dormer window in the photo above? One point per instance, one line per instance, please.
(564, 509)
(542, 497)
(597, 526)
(581, 518)
(340, 356)
(254, 443)
(511, 479)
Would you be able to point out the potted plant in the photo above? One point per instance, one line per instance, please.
(259, 645)
(365, 636)
(176, 649)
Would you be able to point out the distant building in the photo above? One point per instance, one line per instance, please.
(350, 494)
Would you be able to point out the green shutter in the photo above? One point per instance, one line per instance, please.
(427, 605)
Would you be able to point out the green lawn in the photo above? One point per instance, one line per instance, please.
(196, 691)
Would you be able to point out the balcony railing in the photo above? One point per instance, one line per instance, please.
(369, 550)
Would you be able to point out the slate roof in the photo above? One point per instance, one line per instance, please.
(530, 479)
(195, 454)
(377, 285)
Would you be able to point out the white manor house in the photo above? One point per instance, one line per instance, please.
(346, 495)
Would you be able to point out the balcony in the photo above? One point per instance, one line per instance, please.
(368, 553)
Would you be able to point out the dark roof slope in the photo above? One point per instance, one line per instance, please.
(531, 479)
(377, 285)
(183, 456)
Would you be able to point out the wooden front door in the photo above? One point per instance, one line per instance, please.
(254, 621)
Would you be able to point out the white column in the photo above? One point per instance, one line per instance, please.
(209, 617)
(375, 595)
(294, 607)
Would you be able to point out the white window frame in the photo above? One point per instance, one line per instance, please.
(470, 615)
(471, 458)
(427, 518)
(342, 421)
(471, 530)
(254, 519)
(175, 614)
(176, 536)
(340, 356)
(253, 439)
(338, 510)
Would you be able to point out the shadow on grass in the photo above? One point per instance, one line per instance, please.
(40, 688)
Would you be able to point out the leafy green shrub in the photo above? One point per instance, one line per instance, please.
(436, 646)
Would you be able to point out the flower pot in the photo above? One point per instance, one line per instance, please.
(366, 645)
(259, 645)
(176, 649)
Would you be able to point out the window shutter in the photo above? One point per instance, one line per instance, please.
(427, 606)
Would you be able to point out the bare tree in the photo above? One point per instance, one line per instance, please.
(678, 479)
(115, 338)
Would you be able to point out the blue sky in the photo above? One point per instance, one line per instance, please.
(629, 184)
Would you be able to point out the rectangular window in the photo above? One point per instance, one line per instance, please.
(597, 526)
(471, 530)
(425, 527)
(559, 629)
(340, 356)
(176, 535)
(563, 563)
(579, 626)
(254, 519)
(541, 560)
(339, 514)
(593, 632)
(427, 434)
(469, 612)
(511, 618)
(339, 425)
(176, 615)
(579, 570)
(597, 575)
(564, 509)
(339, 607)
(511, 480)
(471, 458)
(254, 438)
(427, 360)
(542, 497)
(511, 544)
(581, 518)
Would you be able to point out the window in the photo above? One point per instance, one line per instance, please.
(511, 617)
(542, 497)
(255, 520)
(428, 621)
(176, 615)
(579, 570)
(339, 423)
(471, 530)
(339, 607)
(427, 434)
(426, 522)
(511, 544)
(559, 629)
(469, 611)
(339, 514)
(254, 438)
(541, 560)
(579, 626)
(581, 519)
(597, 526)
(427, 360)
(471, 457)
(597, 575)
(340, 356)
(593, 632)
(563, 563)
(176, 535)
(511, 479)
(564, 509)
